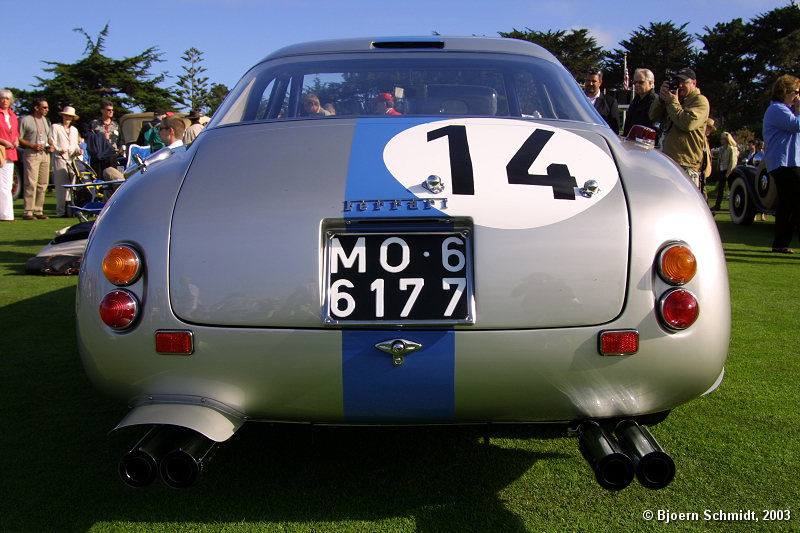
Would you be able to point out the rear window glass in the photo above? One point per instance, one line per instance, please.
(448, 85)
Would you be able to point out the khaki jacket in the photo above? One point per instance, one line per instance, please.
(685, 126)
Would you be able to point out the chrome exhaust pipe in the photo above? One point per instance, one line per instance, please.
(139, 467)
(612, 468)
(181, 466)
(655, 469)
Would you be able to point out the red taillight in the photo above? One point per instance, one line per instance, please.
(642, 135)
(678, 309)
(623, 342)
(119, 309)
(174, 342)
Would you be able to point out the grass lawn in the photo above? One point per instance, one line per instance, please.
(736, 449)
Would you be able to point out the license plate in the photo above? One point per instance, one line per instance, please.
(398, 278)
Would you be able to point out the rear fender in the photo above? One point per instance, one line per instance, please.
(214, 424)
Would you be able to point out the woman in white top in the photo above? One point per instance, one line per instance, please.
(65, 141)
(728, 156)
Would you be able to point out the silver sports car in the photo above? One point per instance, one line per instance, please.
(405, 231)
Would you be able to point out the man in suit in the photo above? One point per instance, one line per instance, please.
(605, 104)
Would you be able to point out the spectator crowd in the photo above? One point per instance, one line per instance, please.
(42, 148)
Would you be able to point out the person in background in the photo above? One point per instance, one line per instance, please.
(605, 104)
(759, 155)
(747, 156)
(194, 130)
(759, 149)
(110, 129)
(782, 139)
(34, 136)
(148, 134)
(683, 115)
(9, 139)
(384, 105)
(643, 96)
(726, 163)
(706, 166)
(64, 140)
(312, 107)
(171, 131)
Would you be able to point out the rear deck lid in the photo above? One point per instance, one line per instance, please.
(248, 241)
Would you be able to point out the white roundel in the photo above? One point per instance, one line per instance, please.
(506, 174)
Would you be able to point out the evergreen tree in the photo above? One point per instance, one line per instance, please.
(577, 50)
(659, 47)
(126, 82)
(216, 96)
(192, 90)
(727, 70)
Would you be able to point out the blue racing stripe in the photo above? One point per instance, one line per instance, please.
(367, 175)
(422, 390)
(374, 389)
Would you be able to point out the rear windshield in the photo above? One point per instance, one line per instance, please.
(449, 84)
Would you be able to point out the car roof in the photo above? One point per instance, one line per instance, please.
(418, 43)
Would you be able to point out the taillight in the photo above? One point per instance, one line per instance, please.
(122, 265)
(642, 135)
(677, 264)
(119, 309)
(678, 309)
(178, 342)
(620, 342)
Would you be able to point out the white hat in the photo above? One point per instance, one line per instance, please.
(70, 111)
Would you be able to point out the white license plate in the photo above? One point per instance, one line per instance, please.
(398, 278)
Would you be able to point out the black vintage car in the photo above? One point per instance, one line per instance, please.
(752, 190)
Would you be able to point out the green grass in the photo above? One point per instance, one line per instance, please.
(736, 449)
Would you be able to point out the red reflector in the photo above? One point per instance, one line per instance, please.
(679, 309)
(619, 342)
(118, 309)
(176, 342)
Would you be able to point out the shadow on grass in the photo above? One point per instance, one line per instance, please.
(14, 261)
(750, 243)
(60, 463)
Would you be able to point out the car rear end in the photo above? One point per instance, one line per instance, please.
(520, 264)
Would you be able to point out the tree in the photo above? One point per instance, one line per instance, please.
(577, 50)
(192, 90)
(659, 47)
(727, 70)
(740, 62)
(216, 96)
(125, 82)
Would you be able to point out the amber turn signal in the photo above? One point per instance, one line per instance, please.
(677, 264)
(122, 265)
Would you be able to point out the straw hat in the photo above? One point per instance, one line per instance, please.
(70, 111)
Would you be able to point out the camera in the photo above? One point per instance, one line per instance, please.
(673, 79)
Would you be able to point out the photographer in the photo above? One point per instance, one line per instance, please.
(683, 112)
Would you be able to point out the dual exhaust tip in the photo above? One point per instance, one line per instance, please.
(175, 453)
(178, 455)
(635, 452)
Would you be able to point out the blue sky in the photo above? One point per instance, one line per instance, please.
(235, 34)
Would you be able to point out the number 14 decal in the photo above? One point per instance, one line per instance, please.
(557, 177)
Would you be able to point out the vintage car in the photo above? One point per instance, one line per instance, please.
(752, 190)
(460, 240)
